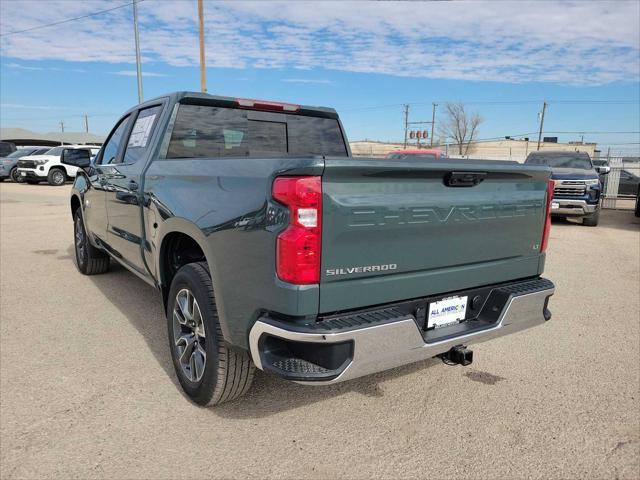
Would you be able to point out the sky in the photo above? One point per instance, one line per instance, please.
(365, 59)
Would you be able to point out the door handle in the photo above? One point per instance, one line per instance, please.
(133, 185)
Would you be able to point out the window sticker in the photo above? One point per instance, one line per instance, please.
(141, 131)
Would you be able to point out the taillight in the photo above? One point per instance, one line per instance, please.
(298, 246)
(547, 220)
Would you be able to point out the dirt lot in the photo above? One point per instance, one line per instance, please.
(88, 389)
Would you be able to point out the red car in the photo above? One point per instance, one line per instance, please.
(421, 154)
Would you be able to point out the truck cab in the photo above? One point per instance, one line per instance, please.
(577, 184)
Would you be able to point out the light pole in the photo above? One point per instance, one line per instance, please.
(203, 70)
(137, 38)
(544, 109)
(406, 124)
(433, 121)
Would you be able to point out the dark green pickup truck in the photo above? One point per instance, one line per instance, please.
(273, 247)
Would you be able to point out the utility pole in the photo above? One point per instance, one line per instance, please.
(433, 121)
(62, 130)
(406, 124)
(86, 123)
(544, 109)
(137, 38)
(203, 68)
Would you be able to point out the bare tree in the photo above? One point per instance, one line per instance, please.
(460, 125)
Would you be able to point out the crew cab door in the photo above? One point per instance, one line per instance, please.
(123, 178)
(95, 209)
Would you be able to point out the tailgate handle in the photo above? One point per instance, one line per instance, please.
(464, 179)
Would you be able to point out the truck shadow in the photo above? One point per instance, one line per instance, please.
(142, 306)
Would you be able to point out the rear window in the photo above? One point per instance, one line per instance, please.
(205, 131)
(560, 160)
(416, 156)
(6, 148)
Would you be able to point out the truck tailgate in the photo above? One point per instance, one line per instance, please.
(397, 230)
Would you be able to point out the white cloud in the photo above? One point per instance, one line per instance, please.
(308, 80)
(133, 73)
(17, 66)
(566, 42)
(31, 107)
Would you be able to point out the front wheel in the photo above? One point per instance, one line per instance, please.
(15, 176)
(89, 260)
(591, 220)
(56, 177)
(209, 371)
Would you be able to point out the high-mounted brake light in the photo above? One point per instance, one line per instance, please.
(298, 246)
(266, 105)
(547, 220)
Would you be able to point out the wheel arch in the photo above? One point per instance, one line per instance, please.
(75, 204)
(59, 167)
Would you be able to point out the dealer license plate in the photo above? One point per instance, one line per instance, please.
(447, 311)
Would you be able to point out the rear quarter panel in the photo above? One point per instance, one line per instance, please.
(224, 204)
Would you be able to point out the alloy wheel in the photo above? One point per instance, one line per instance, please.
(189, 335)
(58, 177)
(79, 240)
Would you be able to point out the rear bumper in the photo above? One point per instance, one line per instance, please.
(573, 207)
(382, 339)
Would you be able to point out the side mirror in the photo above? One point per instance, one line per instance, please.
(603, 170)
(76, 157)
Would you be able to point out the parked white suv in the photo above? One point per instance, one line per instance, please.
(48, 166)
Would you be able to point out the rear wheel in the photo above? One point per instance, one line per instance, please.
(209, 371)
(592, 220)
(56, 177)
(89, 260)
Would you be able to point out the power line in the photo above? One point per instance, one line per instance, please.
(497, 102)
(38, 27)
(591, 132)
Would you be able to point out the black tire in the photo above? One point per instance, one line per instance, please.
(637, 210)
(89, 260)
(228, 373)
(57, 177)
(591, 220)
(14, 175)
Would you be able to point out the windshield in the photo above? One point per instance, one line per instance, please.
(54, 151)
(560, 161)
(23, 152)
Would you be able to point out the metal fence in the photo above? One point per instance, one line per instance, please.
(622, 183)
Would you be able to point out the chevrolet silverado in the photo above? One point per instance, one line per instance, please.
(273, 248)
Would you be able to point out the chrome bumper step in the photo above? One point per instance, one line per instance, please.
(356, 344)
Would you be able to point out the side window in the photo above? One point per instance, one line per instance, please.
(113, 144)
(141, 133)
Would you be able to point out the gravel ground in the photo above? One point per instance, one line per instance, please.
(88, 390)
